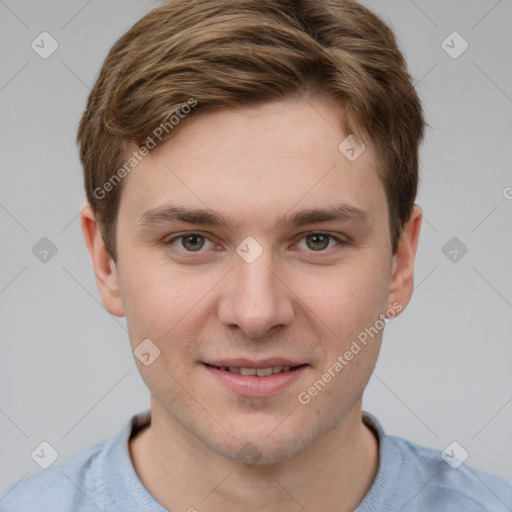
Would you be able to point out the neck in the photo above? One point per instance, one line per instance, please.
(181, 473)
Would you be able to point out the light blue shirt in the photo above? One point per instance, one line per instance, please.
(410, 478)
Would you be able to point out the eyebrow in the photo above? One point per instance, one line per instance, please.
(167, 214)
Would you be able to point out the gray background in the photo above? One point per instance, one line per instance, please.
(67, 373)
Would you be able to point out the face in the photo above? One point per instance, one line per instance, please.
(255, 255)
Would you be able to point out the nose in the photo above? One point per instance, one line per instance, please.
(256, 297)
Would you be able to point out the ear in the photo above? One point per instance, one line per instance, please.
(105, 269)
(402, 276)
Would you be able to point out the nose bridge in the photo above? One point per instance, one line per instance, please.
(256, 300)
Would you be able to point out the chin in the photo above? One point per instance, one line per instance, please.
(260, 451)
(266, 442)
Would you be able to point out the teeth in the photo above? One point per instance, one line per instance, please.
(263, 372)
(260, 372)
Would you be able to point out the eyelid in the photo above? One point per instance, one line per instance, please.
(336, 236)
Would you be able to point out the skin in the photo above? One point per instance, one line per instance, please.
(295, 300)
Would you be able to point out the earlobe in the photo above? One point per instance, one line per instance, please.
(105, 269)
(402, 276)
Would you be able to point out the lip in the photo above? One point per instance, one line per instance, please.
(251, 363)
(254, 386)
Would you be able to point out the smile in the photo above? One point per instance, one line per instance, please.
(255, 380)
(259, 372)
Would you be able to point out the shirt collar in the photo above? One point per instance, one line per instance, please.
(390, 462)
(124, 490)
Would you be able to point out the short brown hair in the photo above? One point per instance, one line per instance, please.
(229, 53)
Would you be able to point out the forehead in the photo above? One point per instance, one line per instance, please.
(254, 162)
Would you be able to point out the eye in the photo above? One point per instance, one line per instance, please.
(190, 242)
(318, 242)
(195, 242)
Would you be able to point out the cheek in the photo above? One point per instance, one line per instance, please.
(349, 298)
(349, 306)
(159, 300)
(169, 308)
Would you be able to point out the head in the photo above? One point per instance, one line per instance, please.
(237, 122)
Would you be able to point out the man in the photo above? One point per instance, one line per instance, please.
(251, 169)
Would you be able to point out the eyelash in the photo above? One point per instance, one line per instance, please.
(305, 235)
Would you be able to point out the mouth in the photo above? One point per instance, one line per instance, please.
(258, 372)
(256, 379)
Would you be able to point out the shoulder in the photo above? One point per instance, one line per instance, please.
(414, 478)
(436, 480)
(74, 484)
